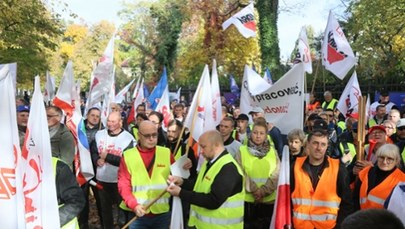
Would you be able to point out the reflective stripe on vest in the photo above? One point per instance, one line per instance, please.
(376, 197)
(72, 224)
(318, 203)
(145, 188)
(217, 221)
(250, 165)
(230, 213)
(322, 217)
(142, 188)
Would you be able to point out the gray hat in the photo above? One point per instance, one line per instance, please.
(401, 122)
(256, 110)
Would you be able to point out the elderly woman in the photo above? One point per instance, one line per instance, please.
(296, 139)
(375, 183)
(260, 163)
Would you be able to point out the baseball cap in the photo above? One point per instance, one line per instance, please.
(242, 117)
(384, 93)
(23, 108)
(377, 127)
(401, 122)
(320, 124)
(256, 110)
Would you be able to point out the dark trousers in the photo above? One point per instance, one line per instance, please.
(108, 196)
(257, 215)
(84, 215)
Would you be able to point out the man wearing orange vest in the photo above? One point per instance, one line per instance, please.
(320, 192)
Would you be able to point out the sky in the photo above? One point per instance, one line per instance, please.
(290, 22)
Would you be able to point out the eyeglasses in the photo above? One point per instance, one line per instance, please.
(389, 127)
(330, 115)
(377, 133)
(389, 160)
(153, 135)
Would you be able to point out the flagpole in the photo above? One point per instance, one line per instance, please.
(179, 140)
(146, 208)
(315, 77)
(361, 130)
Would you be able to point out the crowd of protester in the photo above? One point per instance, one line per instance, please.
(236, 186)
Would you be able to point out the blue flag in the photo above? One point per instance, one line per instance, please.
(157, 93)
(267, 76)
(234, 87)
(145, 91)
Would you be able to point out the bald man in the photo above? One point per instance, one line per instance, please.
(142, 176)
(106, 152)
(218, 193)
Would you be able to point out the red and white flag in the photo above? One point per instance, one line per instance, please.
(216, 95)
(244, 21)
(199, 118)
(349, 100)
(282, 208)
(11, 190)
(68, 99)
(102, 76)
(337, 55)
(164, 108)
(41, 205)
(304, 51)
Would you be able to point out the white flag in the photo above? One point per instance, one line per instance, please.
(11, 191)
(49, 92)
(246, 101)
(136, 88)
(244, 21)
(216, 95)
(12, 67)
(349, 100)
(199, 118)
(283, 103)
(122, 94)
(164, 108)
(140, 98)
(337, 55)
(41, 205)
(102, 76)
(304, 51)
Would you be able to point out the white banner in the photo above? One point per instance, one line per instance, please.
(283, 103)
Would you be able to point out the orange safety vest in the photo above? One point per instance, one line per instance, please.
(376, 197)
(315, 208)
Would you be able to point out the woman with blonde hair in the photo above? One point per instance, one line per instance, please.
(260, 163)
(375, 183)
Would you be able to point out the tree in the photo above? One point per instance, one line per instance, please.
(377, 29)
(28, 33)
(270, 51)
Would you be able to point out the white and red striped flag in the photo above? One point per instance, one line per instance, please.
(11, 190)
(41, 205)
(282, 208)
(67, 98)
(216, 95)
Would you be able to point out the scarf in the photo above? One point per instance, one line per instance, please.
(258, 150)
